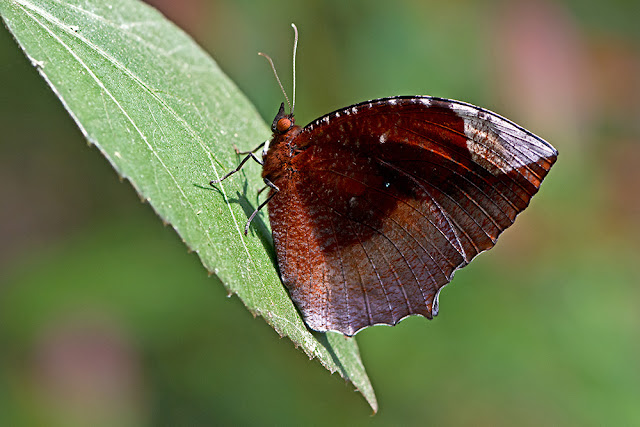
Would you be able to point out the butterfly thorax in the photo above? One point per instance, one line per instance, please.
(282, 149)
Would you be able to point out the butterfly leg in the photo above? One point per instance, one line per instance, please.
(263, 204)
(249, 156)
(247, 152)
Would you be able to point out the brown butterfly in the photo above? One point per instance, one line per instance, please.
(373, 207)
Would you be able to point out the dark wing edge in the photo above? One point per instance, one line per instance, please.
(428, 101)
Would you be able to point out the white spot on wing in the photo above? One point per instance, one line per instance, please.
(383, 137)
(435, 307)
(463, 110)
(486, 147)
(492, 139)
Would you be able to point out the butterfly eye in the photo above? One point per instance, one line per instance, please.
(284, 124)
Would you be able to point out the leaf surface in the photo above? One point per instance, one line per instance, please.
(166, 117)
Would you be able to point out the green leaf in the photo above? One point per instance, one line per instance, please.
(166, 118)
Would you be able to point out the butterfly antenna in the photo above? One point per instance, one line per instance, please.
(295, 48)
(275, 73)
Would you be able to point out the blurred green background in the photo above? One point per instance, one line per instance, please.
(105, 319)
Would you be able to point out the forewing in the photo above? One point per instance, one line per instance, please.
(387, 198)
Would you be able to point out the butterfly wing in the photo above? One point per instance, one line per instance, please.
(382, 202)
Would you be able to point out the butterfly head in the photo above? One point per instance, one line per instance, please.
(282, 122)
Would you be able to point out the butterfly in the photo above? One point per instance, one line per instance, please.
(373, 207)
